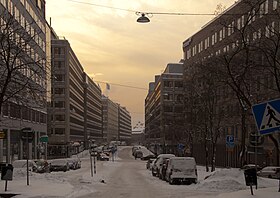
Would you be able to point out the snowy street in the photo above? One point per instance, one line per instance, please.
(127, 177)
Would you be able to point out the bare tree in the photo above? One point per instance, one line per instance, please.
(203, 110)
(22, 69)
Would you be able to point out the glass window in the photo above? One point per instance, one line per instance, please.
(5, 110)
(60, 117)
(59, 131)
(58, 90)
(59, 104)
(59, 77)
(275, 4)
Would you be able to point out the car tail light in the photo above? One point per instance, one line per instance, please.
(171, 171)
(196, 172)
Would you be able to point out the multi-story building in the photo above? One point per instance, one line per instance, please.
(23, 99)
(75, 110)
(110, 120)
(92, 111)
(164, 110)
(229, 52)
(124, 127)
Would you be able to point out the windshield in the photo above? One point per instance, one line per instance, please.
(183, 164)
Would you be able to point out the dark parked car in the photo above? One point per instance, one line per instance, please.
(59, 165)
(138, 154)
(41, 166)
(163, 168)
(149, 163)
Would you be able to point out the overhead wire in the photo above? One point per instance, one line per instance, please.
(122, 85)
(138, 12)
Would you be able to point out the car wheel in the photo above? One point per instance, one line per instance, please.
(171, 181)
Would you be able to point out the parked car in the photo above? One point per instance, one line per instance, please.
(270, 172)
(162, 169)
(103, 157)
(135, 148)
(158, 163)
(181, 169)
(23, 163)
(59, 165)
(74, 162)
(138, 154)
(41, 166)
(150, 163)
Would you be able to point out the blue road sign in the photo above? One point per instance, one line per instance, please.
(267, 116)
(181, 146)
(230, 141)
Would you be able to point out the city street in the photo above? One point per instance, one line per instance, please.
(126, 177)
(131, 179)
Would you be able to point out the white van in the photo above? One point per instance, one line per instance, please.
(181, 169)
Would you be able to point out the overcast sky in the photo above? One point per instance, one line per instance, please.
(112, 47)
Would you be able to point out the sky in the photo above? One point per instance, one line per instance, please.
(112, 47)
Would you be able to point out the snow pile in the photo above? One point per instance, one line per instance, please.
(228, 180)
(223, 180)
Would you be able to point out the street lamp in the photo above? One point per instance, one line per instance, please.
(142, 18)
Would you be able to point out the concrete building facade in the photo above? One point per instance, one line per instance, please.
(75, 111)
(124, 127)
(110, 120)
(25, 19)
(164, 110)
(245, 31)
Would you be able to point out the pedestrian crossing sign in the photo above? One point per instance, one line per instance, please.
(267, 116)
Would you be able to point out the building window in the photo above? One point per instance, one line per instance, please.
(267, 31)
(239, 23)
(243, 21)
(178, 84)
(58, 51)
(254, 15)
(261, 10)
(58, 90)
(167, 84)
(39, 4)
(59, 131)
(15, 110)
(60, 117)
(6, 110)
(59, 77)
(272, 32)
(266, 7)
(275, 4)
(59, 104)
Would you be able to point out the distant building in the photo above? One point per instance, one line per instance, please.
(164, 110)
(75, 111)
(124, 124)
(110, 120)
(138, 134)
